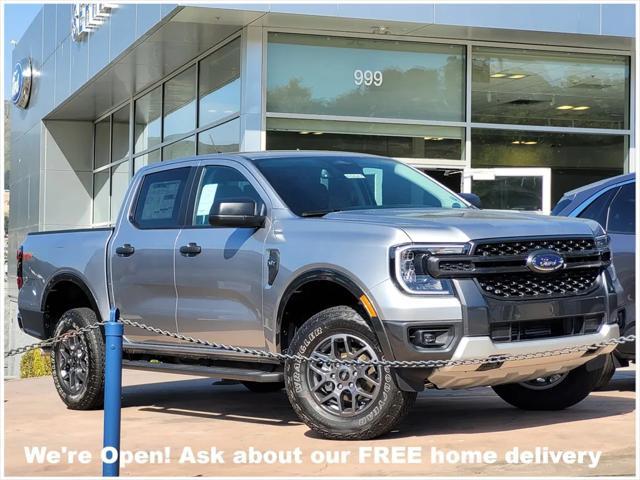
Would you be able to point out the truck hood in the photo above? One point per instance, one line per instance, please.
(462, 225)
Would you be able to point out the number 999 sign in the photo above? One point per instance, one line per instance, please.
(367, 77)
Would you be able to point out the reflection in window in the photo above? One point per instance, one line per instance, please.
(101, 145)
(220, 84)
(120, 144)
(365, 77)
(148, 113)
(179, 104)
(550, 88)
(146, 159)
(622, 217)
(221, 139)
(392, 140)
(119, 183)
(101, 197)
(575, 159)
(182, 148)
(221, 184)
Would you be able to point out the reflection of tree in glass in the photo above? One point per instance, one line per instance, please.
(416, 93)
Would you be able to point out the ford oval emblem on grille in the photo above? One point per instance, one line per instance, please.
(545, 261)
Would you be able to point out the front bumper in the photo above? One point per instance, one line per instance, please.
(473, 322)
(465, 376)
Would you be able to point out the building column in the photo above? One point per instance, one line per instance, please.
(252, 134)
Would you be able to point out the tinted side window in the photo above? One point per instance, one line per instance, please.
(599, 207)
(622, 217)
(160, 198)
(221, 184)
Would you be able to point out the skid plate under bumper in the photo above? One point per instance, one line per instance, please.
(465, 376)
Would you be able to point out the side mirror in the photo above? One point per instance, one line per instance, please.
(472, 198)
(238, 213)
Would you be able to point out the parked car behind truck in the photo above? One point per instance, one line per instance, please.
(612, 203)
(334, 256)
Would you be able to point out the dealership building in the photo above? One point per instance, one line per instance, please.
(517, 103)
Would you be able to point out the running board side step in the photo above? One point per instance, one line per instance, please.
(226, 373)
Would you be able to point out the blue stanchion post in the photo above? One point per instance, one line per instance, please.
(112, 393)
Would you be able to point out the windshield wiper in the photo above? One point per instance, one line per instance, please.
(319, 213)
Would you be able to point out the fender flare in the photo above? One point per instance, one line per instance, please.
(339, 278)
(72, 277)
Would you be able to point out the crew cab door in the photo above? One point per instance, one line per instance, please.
(141, 253)
(219, 281)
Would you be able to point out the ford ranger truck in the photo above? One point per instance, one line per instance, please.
(332, 256)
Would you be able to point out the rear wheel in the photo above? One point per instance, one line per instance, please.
(554, 392)
(342, 401)
(78, 362)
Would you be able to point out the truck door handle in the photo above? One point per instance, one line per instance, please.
(190, 250)
(125, 250)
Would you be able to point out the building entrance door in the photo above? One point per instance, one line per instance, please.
(526, 189)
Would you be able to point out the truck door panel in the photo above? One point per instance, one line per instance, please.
(142, 273)
(220, 288)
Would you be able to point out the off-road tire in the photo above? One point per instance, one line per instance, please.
(91, 396)
(607, 372)
(575, 387)
(263, 387)
(390, 404)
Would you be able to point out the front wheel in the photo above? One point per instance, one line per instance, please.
(343, 402)
(555, 392)
(78, 362)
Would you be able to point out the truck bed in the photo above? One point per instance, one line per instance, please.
(68, 255)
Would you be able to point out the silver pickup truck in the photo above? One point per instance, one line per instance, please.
(332, 256)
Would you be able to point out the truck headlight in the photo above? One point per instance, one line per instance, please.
(602, 241)
(410, 262)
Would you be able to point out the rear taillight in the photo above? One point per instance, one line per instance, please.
(19, 279)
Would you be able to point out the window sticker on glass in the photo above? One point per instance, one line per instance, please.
(160, 200)
(207, 195)
(353, 175)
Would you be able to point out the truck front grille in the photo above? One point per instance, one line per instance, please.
(500, 267)
(516, 285)
(524, 247)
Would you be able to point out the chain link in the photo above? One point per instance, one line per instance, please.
(52, 341)
(283, 357)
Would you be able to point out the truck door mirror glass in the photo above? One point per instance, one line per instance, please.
(239, 213)
(472, 198)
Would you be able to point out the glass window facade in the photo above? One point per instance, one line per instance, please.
(148, 114)
(393, 140)
(575, 159)
(220, 139)
(179, 105)
(561, 89)
(365, 77)
(167, 125)
(219, 84)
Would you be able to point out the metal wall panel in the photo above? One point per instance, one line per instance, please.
(63, 22)
(123, 29)
(63, 66)
(147, 15)
(618, 20)
(99, 48)
(48, 30)
(567, 18)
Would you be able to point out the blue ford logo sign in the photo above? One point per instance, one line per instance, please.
(545, 261)
(21, 83)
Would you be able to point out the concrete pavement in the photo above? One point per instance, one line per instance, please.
(164, 410)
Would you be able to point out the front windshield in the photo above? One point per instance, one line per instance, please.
(318, 185)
